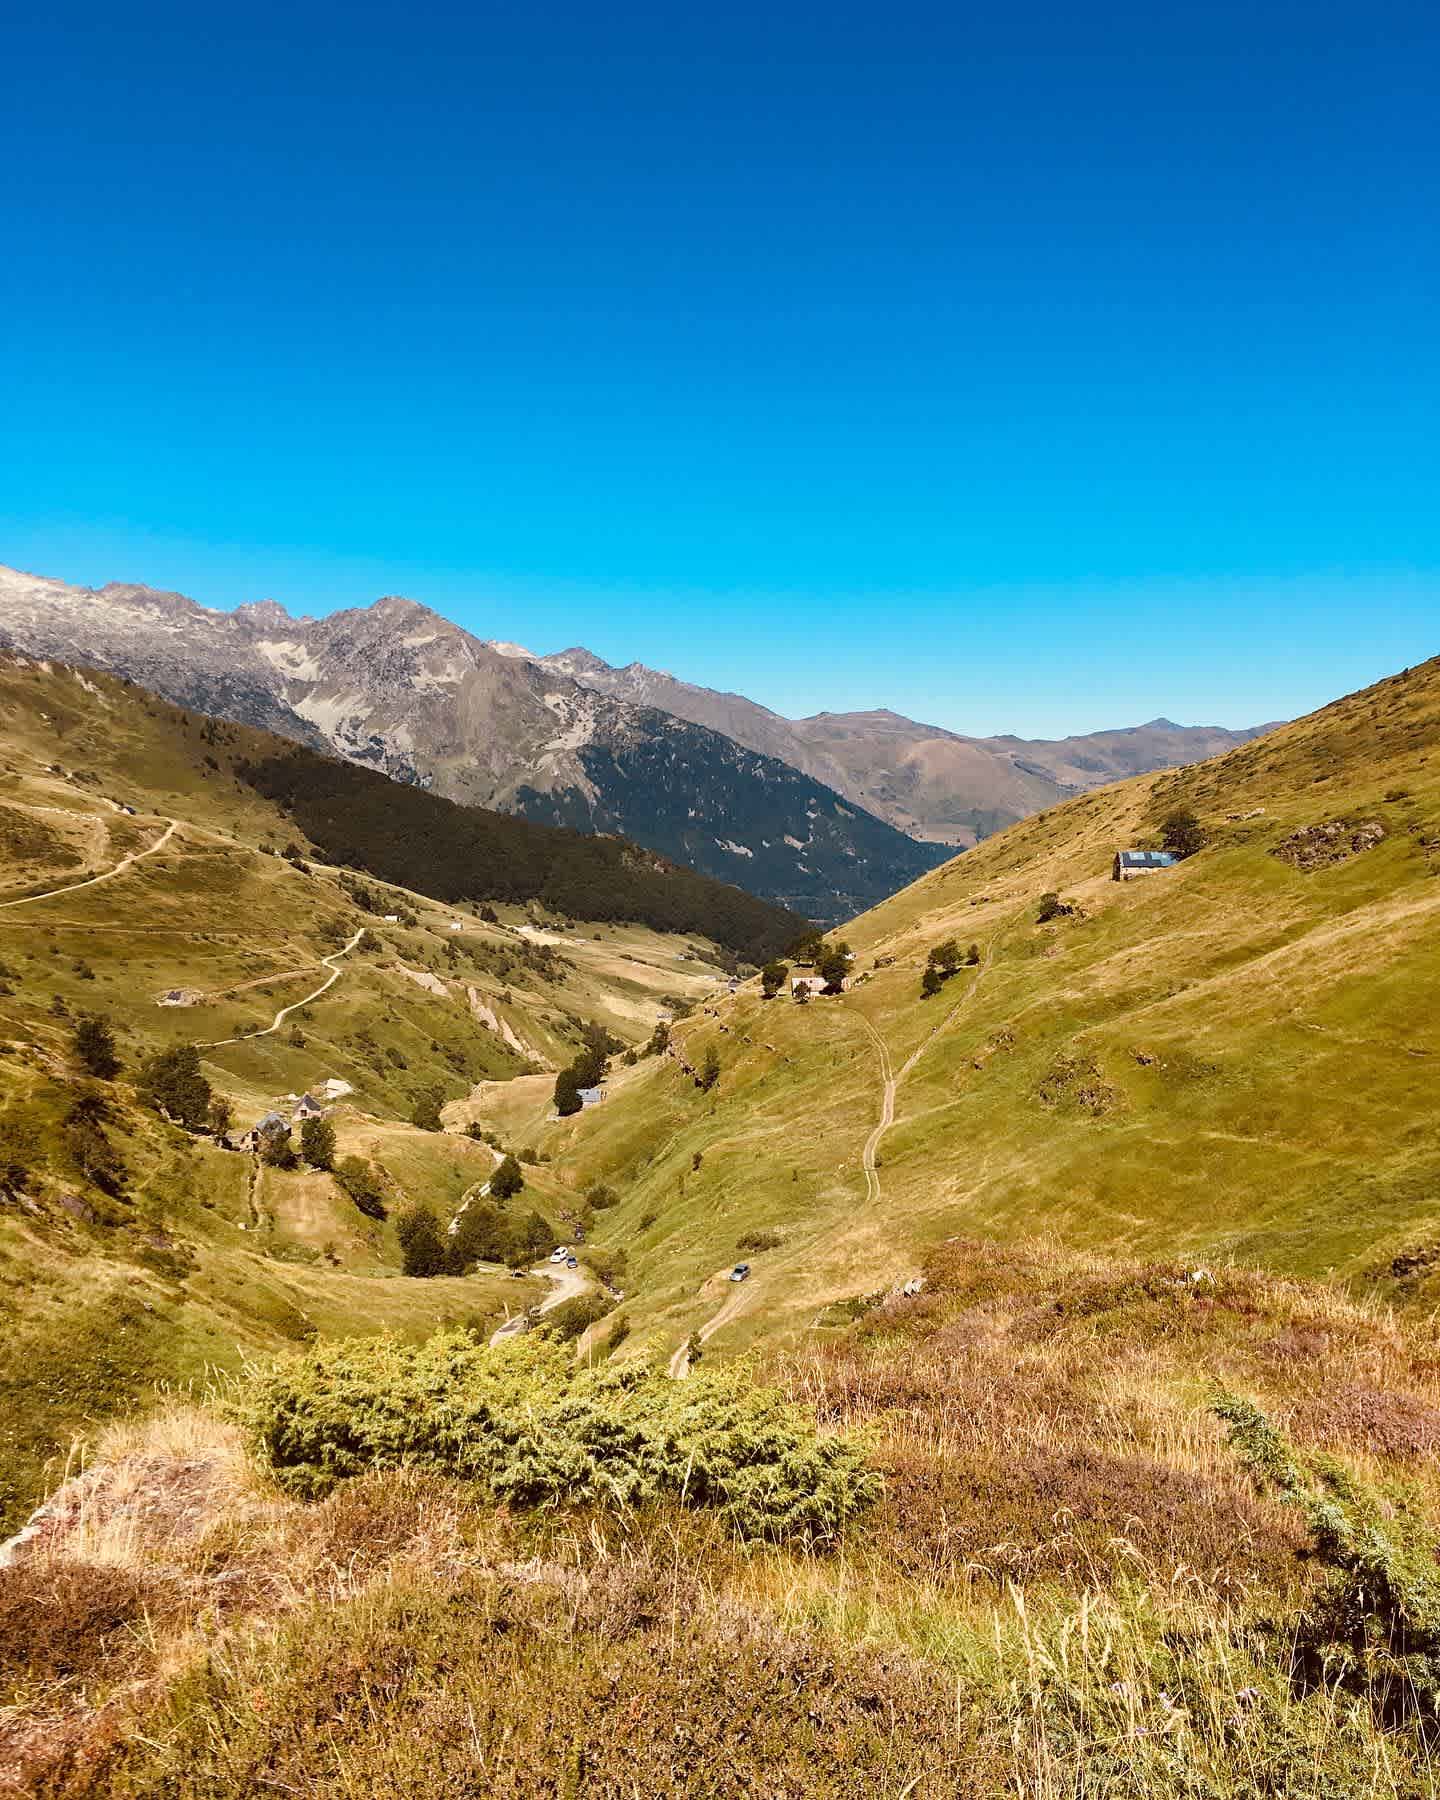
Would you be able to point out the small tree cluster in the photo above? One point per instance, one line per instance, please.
(173, 1083)
(833, 965)
(587, 1070)
(944, 961)
(425, 1114)
(1181, 832)
(484, 1233)
(773, 978)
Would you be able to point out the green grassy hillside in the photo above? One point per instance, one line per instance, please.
(1104, 1509)
(1236, 1058)
(180, 1255)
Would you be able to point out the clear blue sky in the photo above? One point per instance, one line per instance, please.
(1031, 367)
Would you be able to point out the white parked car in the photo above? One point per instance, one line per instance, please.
(558, 1256)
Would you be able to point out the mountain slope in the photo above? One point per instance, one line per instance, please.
(400, 689)
(1234, 1058)
(930, 783)
(144, 880)
(1142, 1526)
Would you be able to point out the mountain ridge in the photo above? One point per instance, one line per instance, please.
(825, 814)
(926, 780)
(399, 688)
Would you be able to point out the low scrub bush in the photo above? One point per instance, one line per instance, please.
(533, 1430)
(68, 1621)
(758, 1240)
(1375, 1626)
(607, 1264)
(572, 1318)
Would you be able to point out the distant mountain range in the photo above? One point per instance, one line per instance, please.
(826, 815)
(929, 783)
(399, 688)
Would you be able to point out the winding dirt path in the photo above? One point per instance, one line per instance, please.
(890, 1082)
(891, 1078)
(125, 864)
(569, 1285)
(284, 1013)
(741, 1294)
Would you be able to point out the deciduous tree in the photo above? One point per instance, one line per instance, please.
(173, 1082)
(508, 1178)
(422, 1244)
(317, 1143)
(1182, 833)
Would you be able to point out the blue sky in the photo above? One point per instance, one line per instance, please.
(1034, 368)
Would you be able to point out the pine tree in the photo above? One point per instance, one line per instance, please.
(94, 1045)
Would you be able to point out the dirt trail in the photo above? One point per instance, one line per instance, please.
(741, 1294)
(126, 863)
(891, 1079)
(887, 1112)
(569, 1285)
(241, 987)
(284, 1013)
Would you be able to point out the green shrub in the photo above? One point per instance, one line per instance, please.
(607, 1264)
(1375, 1626)
(359, 1181)
(572, 1318)
(758, 1240)
(533, 1430)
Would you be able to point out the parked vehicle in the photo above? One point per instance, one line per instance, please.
(572, 1262)
(558, 1256)
(740, 1272)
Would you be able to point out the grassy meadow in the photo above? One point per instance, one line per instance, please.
(195, 1258)
(1152, 1457)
